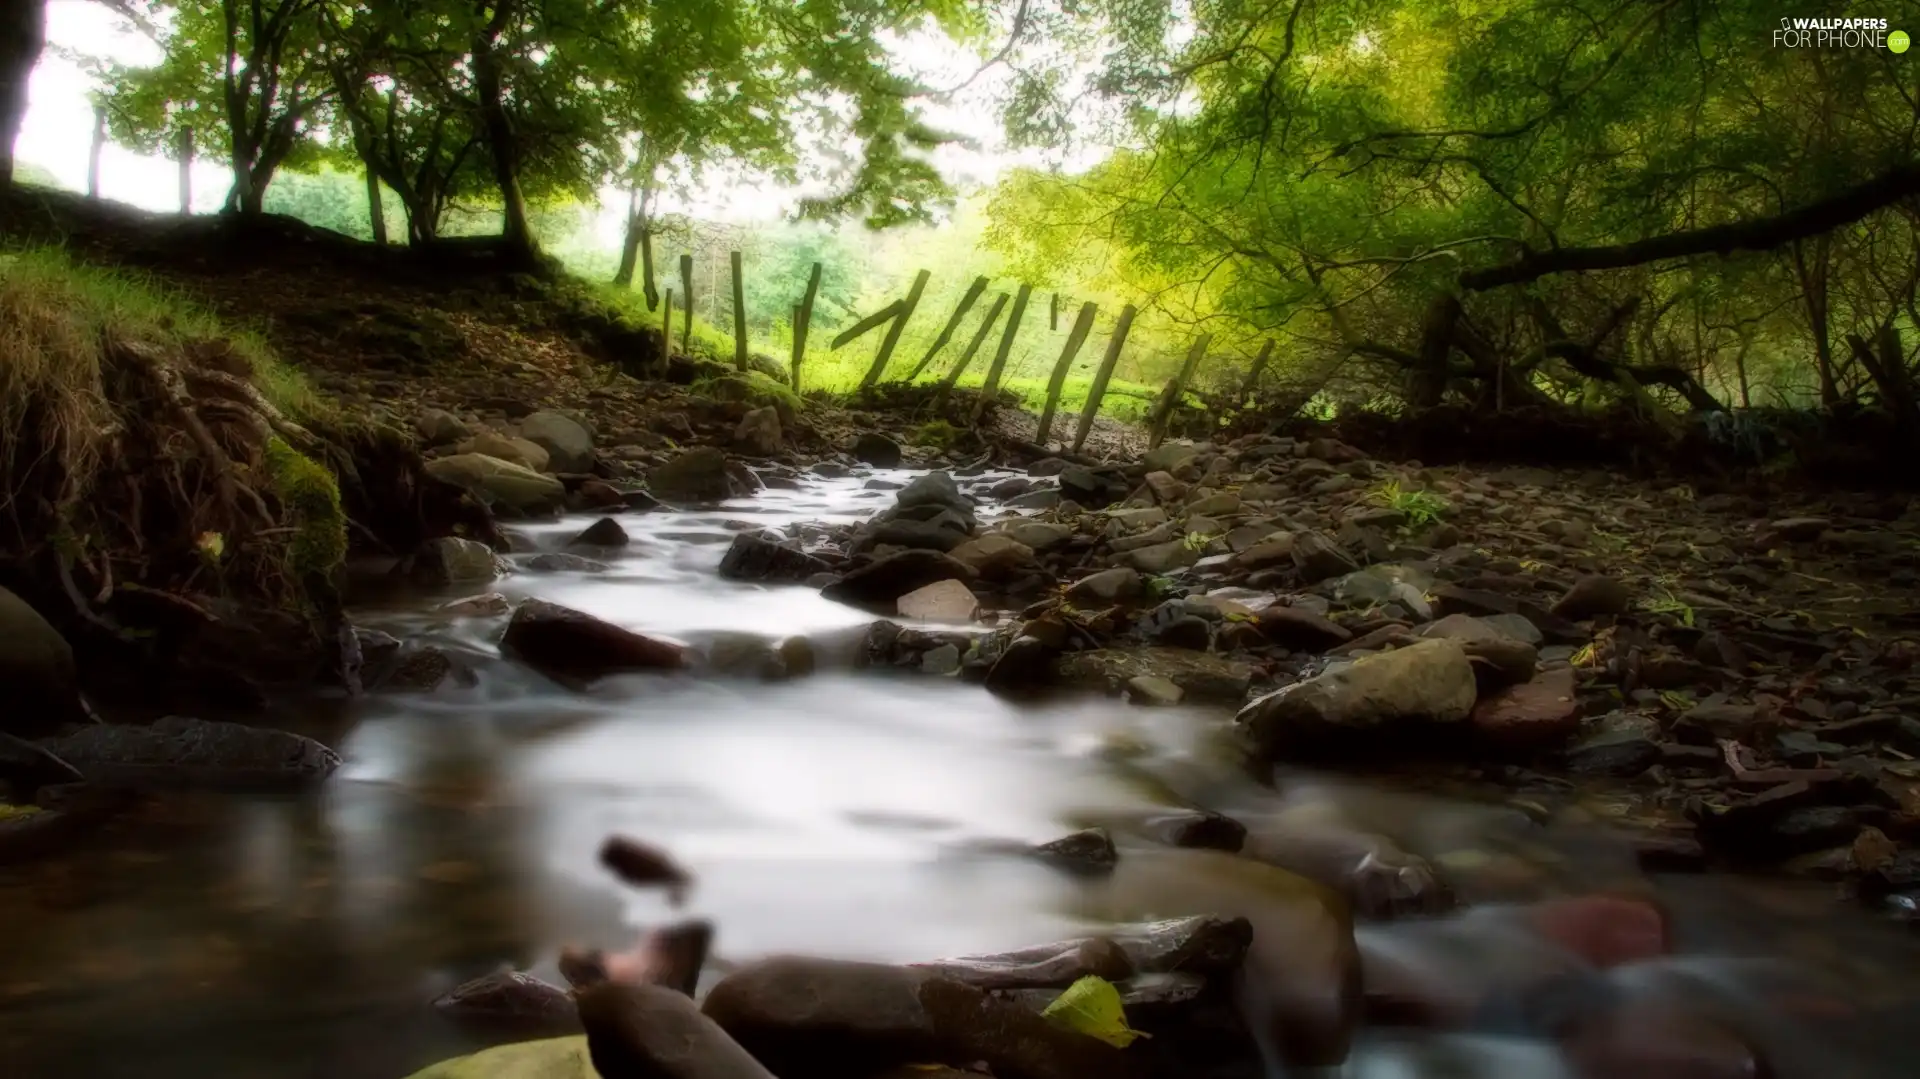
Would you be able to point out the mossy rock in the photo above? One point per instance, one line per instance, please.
(550, 1058)
(938, 434)
(752, 388)
(311, 495)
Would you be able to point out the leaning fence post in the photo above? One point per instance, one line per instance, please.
(953, 322)
(1101, 377)
(1177, 389)
(893, 332)
(992, 385)
(686, 300)
(666, 331)
(802, 321)
(1081, 327)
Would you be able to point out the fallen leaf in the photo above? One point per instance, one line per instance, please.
(1092, 1006)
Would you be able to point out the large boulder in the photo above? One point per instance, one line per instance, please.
(757, 557)
(995, 556)
(37, 672)
(451, 560)
(1392, 702)
(511, 1003)
(828, 1019)
(568, 443)
(759, 432)
(517, 451)
(653, 1032)
(508, 489)
(573, 647)
(878, 585)
(697, 475)
(876, 449)
(177, 751)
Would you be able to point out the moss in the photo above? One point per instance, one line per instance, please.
(938, 434)
(312, 495)
(752, 387)
(13, 812)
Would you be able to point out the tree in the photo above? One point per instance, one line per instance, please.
(23, 33)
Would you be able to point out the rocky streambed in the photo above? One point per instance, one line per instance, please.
(1318, 760)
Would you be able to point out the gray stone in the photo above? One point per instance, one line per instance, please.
(177, 751)
(1429, 684)
(941, 601)
(697, 475)
(438, 427)
(506, 488)
(568, 443)
(451, 560)
(37, 671)
(1038, 535)
(1153, 689)
(759, 432)
(1116, 585)
(1163, 557)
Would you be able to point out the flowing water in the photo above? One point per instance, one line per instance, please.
(233, 937)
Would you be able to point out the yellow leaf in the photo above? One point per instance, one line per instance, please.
(1092, 1006)
(212, 545)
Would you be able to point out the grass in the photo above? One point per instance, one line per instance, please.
(1418, 506)
(838, 371)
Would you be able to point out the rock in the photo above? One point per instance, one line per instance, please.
(1797, 529)
(1603, 931)
(37, 671)
(569, 445)
(934, 489)
(506, 488)
(421, 670)
(1116, 585)
(644, 866)
(1164, 487)
(1421, 692)
(1202, 676)
(1216, 504)
(1272, 551)
(1531, 716)
(1300, 629)
(878, 585)
(1301, 975)
(510, 1002)
(563, 562)
(749, 655)
(828, 1019)
(1038, 535)
(1153, 689)
(1319, 558)
(1044, 499)
(1094, 488)
(1045, 966)
(1591, 596)
(1026, 663)
(605, 532)
(541, 1059)
(1197, 830)
(485, 605)
(572, 647)
(670, 956)
(1185, 631)
(652, 1032)
(1088, 853)
(758, 434)
(1619, 753)
(438, 427)
(1377, 878)
(757, 557)
(695, 476)
(941, 659)
(1655, 1039)
(1167, 456)
(924, 527)
(942, 601)
(875, 449)
(1134, 519)
(597, 495)
(1162, 557)
(995, 556)
(177, 751)
(1507, 661)
(517, 451)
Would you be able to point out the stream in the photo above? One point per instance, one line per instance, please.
(302, 937)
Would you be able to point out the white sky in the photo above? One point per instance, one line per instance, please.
(58, 128)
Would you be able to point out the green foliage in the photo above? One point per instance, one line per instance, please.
(936, 434)
(1417, 507)
(1093, 1007)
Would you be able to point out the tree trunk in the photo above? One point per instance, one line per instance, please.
(184, 154)
(630, 243)
(376, 208)
(1813, 289)
(95, 149)
(646, 269)
(23, 31)
(1429, 381)
(498, 125)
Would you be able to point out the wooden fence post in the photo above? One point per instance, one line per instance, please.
(953, 322)
(666, 331)
(94, 151)
(1053, 314)
(973, 346)
(992, 385)
(893, 332)
(185, 153)
(1177, 389)
(1253, 374)
(802, 321)
(686, 301)
(739, 315)
(1081, 327)
(1101, 377)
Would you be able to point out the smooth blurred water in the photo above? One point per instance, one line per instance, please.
(226, 937)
